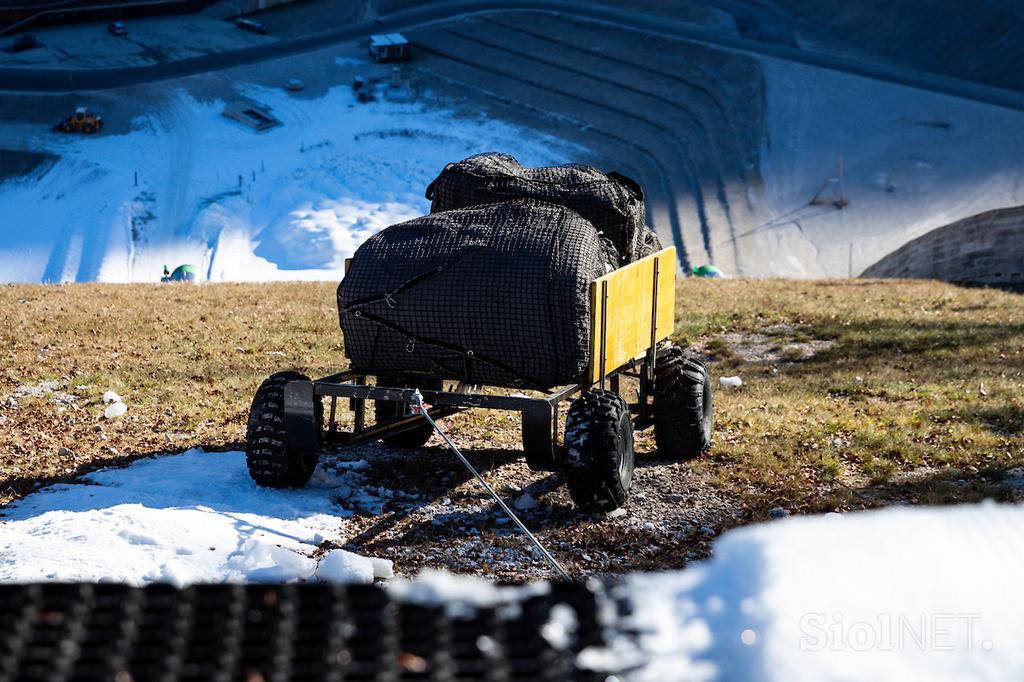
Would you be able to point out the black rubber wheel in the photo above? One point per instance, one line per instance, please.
(598, 451)
(682, 406)
(389, 409)
(271, 462)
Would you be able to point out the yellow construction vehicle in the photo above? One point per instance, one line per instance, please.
(82, 120)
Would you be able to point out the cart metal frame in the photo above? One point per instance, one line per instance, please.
(632, 316)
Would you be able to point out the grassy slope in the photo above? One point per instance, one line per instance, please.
(918, 398)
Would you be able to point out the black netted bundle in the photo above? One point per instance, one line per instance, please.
(612, 202)
(284, 633)
(496, 295)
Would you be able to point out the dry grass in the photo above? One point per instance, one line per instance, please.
(919, 397)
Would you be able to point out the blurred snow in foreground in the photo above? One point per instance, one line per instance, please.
(898, 594)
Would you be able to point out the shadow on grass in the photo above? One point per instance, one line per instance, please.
(878, 341)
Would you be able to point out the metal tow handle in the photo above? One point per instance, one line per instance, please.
(418, 397)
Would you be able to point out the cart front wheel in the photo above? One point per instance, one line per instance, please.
(682, 406)
(383, 410)
(272, 463)
(598, 451)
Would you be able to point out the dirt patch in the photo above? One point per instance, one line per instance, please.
(772, 345)
(438, 516)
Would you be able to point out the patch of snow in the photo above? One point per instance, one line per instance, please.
(339, 565)
(896, 594)
(194, 517)
(115, 410)
(461, 595)
(524, 502)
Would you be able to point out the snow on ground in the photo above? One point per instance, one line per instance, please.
(194, 517)
(896, 594)
(900, 594)
(149, 41)
(288, 203)
(913, 161)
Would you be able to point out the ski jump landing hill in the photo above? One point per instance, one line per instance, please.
(734, 116)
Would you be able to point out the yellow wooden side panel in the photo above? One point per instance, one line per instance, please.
(630, 302)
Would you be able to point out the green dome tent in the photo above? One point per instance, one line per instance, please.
(182, 273)
(707, 271)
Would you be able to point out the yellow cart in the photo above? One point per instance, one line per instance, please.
(632, 317)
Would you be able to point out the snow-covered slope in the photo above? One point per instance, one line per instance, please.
(289, 203)
(912, 161)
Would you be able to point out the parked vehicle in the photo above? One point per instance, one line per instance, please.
(251, 26)
(82, 121)
(633, 316)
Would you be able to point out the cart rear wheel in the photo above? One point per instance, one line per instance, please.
(599, 451)
(682, 406)
(272, 463)
(389, 409)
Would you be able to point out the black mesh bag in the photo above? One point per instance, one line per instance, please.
(612, 202)
(649, 243)
(496, 295)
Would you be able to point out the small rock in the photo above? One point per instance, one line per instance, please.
(616, 513)
(778, 513)
(730, 382)
(708, 531)
(650, 527)
(859, 379)
(65, 452)
(525, 502)
(10, 401)
(446, 501)
(98, 428)
(111, 397)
